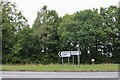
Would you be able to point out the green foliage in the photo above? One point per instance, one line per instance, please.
(12, 22)
(96, 33)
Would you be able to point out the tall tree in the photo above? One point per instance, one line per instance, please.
(45, 28)
(12, 22)
(110, 28)
(79, 29)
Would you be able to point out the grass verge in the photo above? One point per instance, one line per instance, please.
(57, 68)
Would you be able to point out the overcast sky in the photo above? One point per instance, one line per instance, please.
(29, 8)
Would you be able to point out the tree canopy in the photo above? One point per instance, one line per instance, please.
(97, 32)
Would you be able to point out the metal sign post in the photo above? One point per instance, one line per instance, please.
(78, 48)
(62, 60)
(73, 59)
(78, 60)
(68, 61)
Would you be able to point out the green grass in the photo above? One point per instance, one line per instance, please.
(56, 67)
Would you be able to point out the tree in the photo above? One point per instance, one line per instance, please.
(12, 22)
(45, 29)
(79, 29)
(110, 28)
(95, 33)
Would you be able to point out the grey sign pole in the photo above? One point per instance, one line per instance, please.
(62, 60)
(68, 61)
(73, 59)
(78, 60)
(78, 56)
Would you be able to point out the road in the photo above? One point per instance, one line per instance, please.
(11, 75)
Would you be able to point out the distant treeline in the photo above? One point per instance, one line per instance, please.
(96, 31)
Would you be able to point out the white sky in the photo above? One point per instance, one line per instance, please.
(29, 8)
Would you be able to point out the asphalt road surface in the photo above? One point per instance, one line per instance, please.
(8, 75)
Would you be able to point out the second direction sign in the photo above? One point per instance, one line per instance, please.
(75, 52)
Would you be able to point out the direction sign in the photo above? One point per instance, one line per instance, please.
(65, 54)
(68, 54)
(75, 52)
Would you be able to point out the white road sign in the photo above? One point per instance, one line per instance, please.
(65, 54)
(75, 52)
